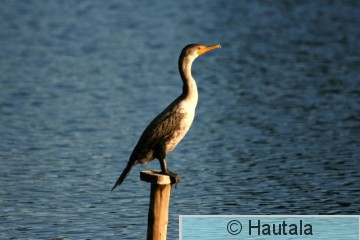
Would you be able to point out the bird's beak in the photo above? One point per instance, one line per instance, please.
(207, 48)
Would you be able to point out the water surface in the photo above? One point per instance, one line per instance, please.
(276, 132)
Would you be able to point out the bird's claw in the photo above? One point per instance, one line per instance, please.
(174, 177)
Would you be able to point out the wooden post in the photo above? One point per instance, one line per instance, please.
(159, 203)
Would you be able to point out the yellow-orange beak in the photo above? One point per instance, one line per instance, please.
(207, 48)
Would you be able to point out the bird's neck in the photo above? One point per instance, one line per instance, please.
(189, 85)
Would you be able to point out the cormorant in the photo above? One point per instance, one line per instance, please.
(170, 126)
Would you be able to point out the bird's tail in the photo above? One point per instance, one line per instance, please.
(123, 175)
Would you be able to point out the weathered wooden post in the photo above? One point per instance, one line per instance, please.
(159, 203)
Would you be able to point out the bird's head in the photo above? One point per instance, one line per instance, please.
(195, 50)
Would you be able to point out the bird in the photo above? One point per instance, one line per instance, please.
(168, 128)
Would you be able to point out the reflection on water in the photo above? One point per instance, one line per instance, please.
(276, 130)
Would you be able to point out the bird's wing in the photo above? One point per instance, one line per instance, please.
(158, 131)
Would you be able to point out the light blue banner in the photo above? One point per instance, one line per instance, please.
(196, 227)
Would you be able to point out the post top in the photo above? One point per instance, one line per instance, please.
(155, 177)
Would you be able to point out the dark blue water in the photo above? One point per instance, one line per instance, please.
(276, 132)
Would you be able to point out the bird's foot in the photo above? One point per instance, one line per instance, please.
(175, 178)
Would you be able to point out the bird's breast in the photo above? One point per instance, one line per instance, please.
(187, 114)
